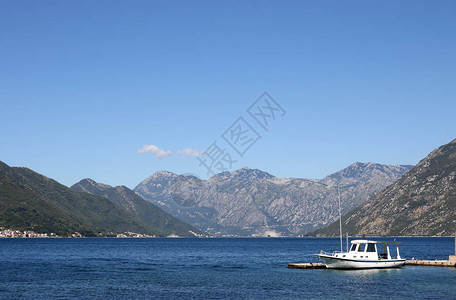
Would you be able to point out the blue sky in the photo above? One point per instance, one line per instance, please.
(85, 85)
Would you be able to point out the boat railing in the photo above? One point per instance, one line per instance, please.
(329, 253)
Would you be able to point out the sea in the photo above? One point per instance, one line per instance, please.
(210, 268)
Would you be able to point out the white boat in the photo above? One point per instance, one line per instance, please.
(363, 254)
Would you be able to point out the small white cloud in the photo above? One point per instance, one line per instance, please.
(189, 152)
(160, 153)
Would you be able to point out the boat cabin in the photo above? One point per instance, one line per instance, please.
(369, 250)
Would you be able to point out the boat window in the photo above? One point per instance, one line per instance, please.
(361, 247)
(370, 247)
(353, 248)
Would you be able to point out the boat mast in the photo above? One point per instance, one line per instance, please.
(340, 222)
(346, 243)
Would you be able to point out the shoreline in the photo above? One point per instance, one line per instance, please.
(213, 237)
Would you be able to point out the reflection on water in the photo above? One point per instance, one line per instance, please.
(365, 272)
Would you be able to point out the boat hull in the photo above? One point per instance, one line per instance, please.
(332, 262)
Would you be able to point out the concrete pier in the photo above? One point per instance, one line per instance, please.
(307, 266)
(416, 262)
(431, 263)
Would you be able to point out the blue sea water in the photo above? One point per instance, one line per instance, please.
(104, 268)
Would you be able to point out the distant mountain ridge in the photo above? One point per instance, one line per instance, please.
(421, 203)
(145, 211)
(251, 202)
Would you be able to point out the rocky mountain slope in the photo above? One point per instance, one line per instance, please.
(31, 201)
(423, 202)
(145, 211)
(250, 202)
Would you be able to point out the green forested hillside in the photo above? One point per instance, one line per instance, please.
(32, 201)
(137, 206)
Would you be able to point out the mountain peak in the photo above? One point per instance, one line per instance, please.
(364, 172)
(163, 173)
(87, 181)
(89, 185)
(159, 176)
(244, 173)
(363, 165)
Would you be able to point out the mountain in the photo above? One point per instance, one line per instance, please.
(23, 208)
(148, 213)
(31, 201)
(423, 202)
(250, 202)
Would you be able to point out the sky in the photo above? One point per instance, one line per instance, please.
(117, 90)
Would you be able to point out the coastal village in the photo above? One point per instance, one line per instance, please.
(10, 233)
